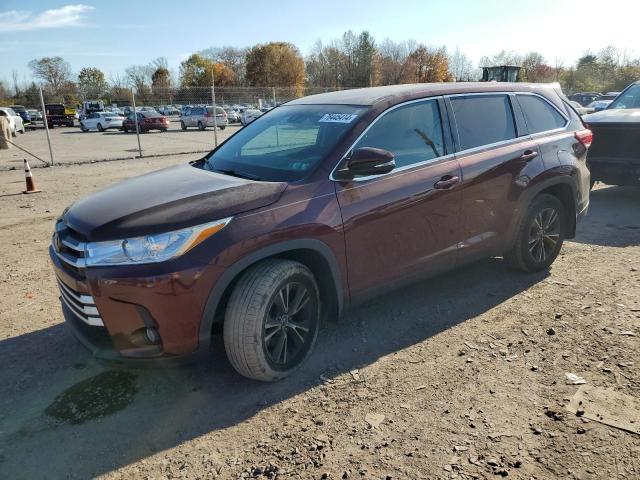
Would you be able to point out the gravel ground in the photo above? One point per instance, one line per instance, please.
(70, 145)
(462, 376)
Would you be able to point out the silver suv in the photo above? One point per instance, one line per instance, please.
(202, 117)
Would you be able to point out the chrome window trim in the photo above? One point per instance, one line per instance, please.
(459, 152)
(516, 139)
(401, 169)
(545, 132)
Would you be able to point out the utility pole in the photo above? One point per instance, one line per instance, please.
(135, 119)
(46, 125)
(215, 112)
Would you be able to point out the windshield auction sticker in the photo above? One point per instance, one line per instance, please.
(338, 117)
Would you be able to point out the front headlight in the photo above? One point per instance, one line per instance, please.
(150, 248)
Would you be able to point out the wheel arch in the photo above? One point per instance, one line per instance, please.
(564, 188)
(314, 254)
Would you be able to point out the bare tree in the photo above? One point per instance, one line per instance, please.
(460, 66)
(55, 72)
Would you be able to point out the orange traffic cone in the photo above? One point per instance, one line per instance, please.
(31, 185)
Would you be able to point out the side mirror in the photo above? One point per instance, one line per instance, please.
(367, 161)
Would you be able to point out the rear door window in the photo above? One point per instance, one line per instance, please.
(539, 114)
(483, 120)
(412, 132)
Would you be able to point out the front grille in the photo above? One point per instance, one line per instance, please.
(69, 248)
(81, 305)
(615, 142)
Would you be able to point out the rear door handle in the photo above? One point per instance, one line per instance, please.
(528, 155)
(446, 182)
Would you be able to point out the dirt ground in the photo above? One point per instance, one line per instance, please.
(462, 376)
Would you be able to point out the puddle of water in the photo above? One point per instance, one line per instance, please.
(95, 397)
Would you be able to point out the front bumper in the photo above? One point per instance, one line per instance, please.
(122, 303)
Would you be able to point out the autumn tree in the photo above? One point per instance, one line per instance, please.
(196, 71)
(232, 57)
(392, 57)
(91, 83)
(426, 64)
(536, 69)
(54, 72)
(275, 64)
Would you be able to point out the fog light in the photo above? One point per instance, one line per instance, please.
(152, 335)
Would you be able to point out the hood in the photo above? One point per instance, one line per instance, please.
(628, 115)
(169, 199)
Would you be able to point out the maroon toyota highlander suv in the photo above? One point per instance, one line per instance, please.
(317, 205)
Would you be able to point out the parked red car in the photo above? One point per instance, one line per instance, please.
(318, 205)
(147, 121)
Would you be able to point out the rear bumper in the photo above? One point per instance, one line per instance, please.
(615, 171)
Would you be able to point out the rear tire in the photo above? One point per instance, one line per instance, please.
(201, 126)
(83, 128)
(100, 128)
(125, 129)
(540, 235)
(272, 320)
(182, 125)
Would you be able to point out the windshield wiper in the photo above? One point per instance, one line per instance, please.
(235, 173)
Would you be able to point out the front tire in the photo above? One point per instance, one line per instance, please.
(540, 235)
(182, 125)
(272, 320)
(100, 128)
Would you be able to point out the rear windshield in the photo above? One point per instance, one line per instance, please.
(630, 98)
(149, 114)
(285, 144)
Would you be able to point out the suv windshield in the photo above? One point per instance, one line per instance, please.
(285, 144)
(630, 98)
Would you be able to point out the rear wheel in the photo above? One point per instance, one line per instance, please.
(540, 235)
(201, 126)
(272, 320)
(83, 128)
(125, 129)
(182, 125)
(100, 128)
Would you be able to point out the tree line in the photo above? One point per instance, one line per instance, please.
(353, 60)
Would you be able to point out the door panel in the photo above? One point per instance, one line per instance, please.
(399, 227)
(492, 183)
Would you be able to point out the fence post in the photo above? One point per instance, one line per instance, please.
(215, 116)
(135, 119)
(274, 96)
(46, 125)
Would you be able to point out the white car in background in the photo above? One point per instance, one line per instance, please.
(249, 115)
(101, 121)
(15, 121)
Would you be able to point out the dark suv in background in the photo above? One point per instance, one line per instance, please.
(317, 205)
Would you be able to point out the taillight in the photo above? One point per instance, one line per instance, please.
(585, 137)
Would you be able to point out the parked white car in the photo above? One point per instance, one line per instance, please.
(249, 115)
(15, 121)
(101, 121)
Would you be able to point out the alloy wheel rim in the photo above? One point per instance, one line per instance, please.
(544, 234)
(288, 328)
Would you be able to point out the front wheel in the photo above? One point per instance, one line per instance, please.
(125, 129)
(540, 235)
(182, 125)
(100, 128)
(272, 320)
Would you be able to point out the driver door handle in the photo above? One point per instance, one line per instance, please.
(446, 182)
(528, 155)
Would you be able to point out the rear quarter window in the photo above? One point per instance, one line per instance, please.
(539, 114)
(483, 120)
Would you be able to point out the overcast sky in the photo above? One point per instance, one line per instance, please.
(113, 34)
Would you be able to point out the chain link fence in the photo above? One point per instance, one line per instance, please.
(74, 135)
